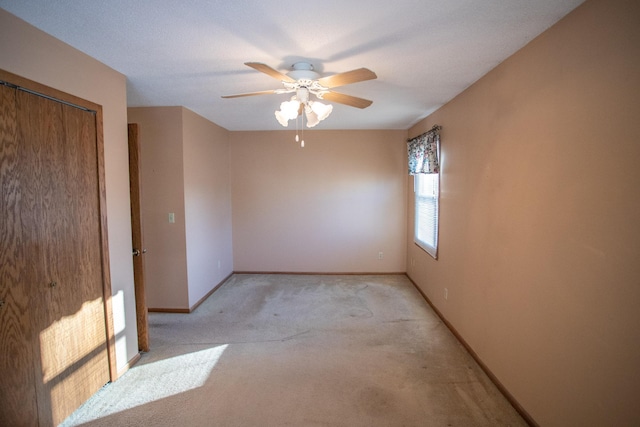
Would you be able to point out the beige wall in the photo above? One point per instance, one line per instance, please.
(539, 233)
(184, 171)
(328, 207)
(162, 182)
(207, 195)
(30, 53)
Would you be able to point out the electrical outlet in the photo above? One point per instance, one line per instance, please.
(380, 255)
(172, 217)
(446, 293)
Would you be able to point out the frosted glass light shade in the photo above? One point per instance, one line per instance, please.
(314, 111)
(282, 119)
(290, 109)
(322, 110)
(312, 117)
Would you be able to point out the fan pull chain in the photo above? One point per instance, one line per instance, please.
(297, 137)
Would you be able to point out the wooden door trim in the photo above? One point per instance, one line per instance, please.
(106, 269)
(48, 92)
(54, 94)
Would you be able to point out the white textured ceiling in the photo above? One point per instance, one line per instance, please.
(190, 52)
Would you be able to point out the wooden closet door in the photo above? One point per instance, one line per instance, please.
(17, 268)
(52, 248)
(68, 300)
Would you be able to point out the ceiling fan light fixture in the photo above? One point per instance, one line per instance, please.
(290, 108)
(321, 110)
(282, 119)
(312, 117)
(315, 111)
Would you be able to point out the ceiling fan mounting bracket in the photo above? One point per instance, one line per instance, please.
(302, 65)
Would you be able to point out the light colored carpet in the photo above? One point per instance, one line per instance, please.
(296, 350)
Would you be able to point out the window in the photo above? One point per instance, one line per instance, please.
(424, 164)
(426, 188)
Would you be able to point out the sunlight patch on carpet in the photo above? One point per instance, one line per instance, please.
(149, 382)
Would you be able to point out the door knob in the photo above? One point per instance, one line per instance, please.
(136, 252)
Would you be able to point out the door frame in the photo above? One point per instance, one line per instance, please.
(56, 95)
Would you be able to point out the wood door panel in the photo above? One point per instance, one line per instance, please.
(38, 128)
(51, 192)
(72, 339)
(137, 238)
(83, 363)
(17, 388)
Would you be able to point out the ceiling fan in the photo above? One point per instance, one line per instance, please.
(304, 81)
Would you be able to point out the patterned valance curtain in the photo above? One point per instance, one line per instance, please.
(423, 152)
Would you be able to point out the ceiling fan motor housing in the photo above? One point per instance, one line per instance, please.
(303, 71)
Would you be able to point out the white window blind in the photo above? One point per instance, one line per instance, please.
(426, 187)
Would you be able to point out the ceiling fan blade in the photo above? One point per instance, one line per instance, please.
(263, 68)
(264, 92)
(352, 101)
(353, 76)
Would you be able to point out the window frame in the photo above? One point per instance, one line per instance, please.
(430, 247)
